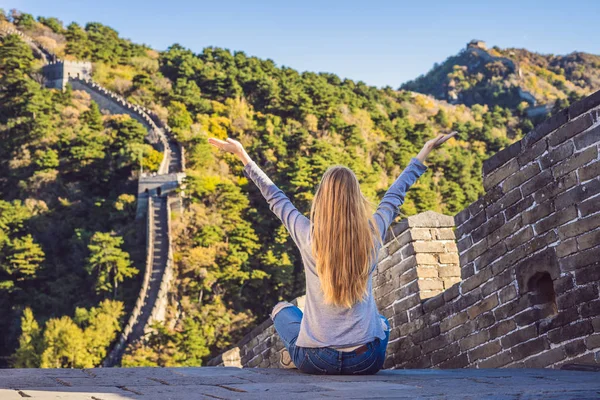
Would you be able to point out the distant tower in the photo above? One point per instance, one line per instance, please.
(477, 43)
(57, 73)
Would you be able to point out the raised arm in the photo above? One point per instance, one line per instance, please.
(394, 197)
(294, 221)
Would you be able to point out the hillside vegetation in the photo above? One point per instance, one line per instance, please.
(500, 76)
(67, 172)
(67, 233)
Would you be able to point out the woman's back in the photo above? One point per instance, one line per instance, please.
(327, 325)
(340, 331)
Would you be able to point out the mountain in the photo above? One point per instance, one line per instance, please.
(68, 176)
(518, 79)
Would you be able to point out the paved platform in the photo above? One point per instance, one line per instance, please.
(255, 383)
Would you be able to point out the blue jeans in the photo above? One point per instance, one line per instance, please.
(326, 360)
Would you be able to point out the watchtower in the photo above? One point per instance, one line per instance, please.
(477, 43)
(57, 73)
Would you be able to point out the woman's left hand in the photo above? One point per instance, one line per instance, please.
(232, 146)
(434, 144)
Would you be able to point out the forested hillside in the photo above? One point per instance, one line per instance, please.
(68, 174)
(67, 233)
(512, 78)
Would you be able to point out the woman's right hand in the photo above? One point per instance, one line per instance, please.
(232, 146)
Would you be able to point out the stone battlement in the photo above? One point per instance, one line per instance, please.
(514, 284)
(59, 61)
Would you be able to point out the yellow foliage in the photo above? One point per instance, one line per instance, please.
(209, 182)
(149, 65)
(240, 114)
(81, 100)
(106, 75)
(311, 122)
(121, 85)
(215, 126)
(218, 108)
(123, 200)
(424, 102)
(70, 115)
(478, 147)
(40, 179)
(198, 258)
(47, 42)
(36, 206)
(152, 159)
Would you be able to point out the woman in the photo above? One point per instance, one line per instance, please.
(341, 330)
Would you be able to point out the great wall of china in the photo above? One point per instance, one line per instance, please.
(156, 192)
(511, 281)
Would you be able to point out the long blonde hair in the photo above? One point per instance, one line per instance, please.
(344, 235)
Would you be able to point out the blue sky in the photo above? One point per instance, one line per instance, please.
(379, 42)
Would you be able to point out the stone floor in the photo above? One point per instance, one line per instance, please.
(235, 383)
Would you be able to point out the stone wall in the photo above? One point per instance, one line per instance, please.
(149, 184)
(114, 356)
(159, 134)
(487, 57)
(526, 293)
(38, 50)
(159, 310)
(115, 104)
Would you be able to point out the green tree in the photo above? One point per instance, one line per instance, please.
(100, 327)
(127, 136)
(142, 80)
(53, 23)
(24, 258)
(78, 44)
(180, 119)
(158, 350)
(192, 344)
(442, 118)
(46, 159)
(108, 262)
(24, 20)
(92, 117)
(26, 108)
(64, 345)
(187, 92)
(68, 343)
(30, 342)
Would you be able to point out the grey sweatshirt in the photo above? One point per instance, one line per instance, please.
(326, 325)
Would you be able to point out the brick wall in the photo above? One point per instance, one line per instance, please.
(515, 284)
(529, 252)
